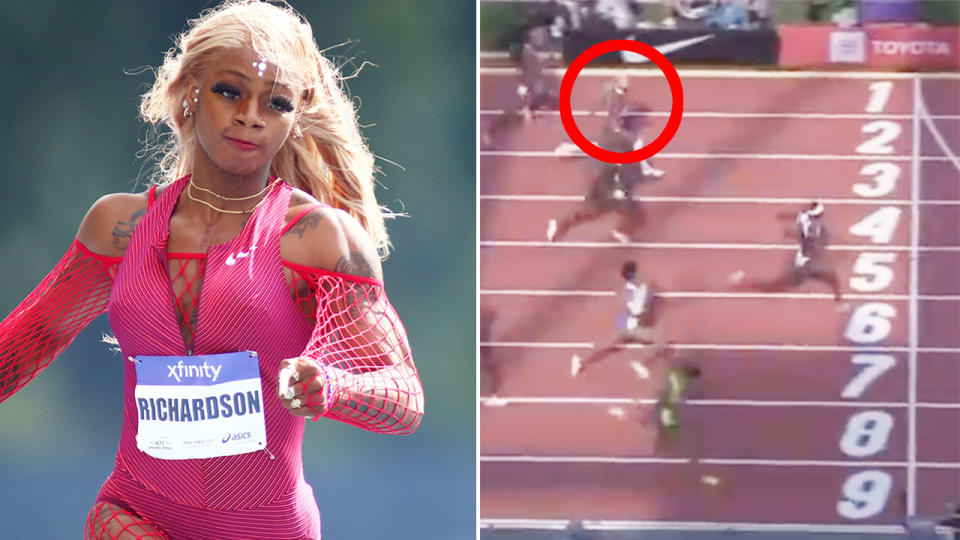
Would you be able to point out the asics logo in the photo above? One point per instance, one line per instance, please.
(236, 437)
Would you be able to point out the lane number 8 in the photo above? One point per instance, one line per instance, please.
(866, 434)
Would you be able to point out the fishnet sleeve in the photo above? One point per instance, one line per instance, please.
(50, 317)
(361, 347)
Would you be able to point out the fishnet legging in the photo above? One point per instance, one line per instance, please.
(108, 521)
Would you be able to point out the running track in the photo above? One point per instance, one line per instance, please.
(810, 414)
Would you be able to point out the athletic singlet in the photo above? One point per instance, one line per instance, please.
(636, 299)
(614, 101)
(809, 230)
(244, 304)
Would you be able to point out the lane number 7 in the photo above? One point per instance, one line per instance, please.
(876, 365)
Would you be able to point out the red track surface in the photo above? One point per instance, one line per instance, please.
(767, 418)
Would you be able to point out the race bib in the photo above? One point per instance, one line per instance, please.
(205, 406)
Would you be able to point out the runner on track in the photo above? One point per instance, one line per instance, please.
(616, 108)
(810, 261)
(635, 324)
(614, 104)
(672, 396)
(535, 90)
(612, 187)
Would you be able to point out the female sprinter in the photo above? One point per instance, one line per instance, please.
(611, 189)
(636, 323)
(810, 261)
(244, 289)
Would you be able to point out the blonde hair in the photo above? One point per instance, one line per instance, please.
(331, 161)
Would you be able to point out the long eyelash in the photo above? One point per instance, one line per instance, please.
(279, 103)
(222, 87)
(282, 104)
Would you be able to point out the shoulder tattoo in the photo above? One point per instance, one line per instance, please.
(123, 230)
(309, 221)
(356, 264)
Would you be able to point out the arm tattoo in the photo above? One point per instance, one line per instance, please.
(310, 220)
(356, 264)
(124, 229)
(362, 299)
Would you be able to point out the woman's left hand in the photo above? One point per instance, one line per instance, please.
(300, 389)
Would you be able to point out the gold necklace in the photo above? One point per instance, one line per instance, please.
(194, 199)
(222, 198)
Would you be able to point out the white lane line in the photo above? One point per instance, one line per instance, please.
(743, 115)
(707, 246)
(701, 526)
(653, 72)
(607, 401)
(727, 155)
(913, 310)
(718, 200)
(722, 295)
(621, 460)
(720, 347)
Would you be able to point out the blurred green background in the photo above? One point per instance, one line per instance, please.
(71, 134)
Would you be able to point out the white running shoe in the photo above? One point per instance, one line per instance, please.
(551, 230)
(619, 236)
(710, 480)
(736, 277)
(576, 365)
(640, 369)
(653, 171)
(565, 149)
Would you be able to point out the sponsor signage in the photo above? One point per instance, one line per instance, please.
(848, 46)
(914, 46)
(688, 46)
(884, 46)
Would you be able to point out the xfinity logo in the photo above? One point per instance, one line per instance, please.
(179, 371)
(911, 47)
(236, 437)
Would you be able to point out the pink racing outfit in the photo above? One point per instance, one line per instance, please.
(244, 304)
